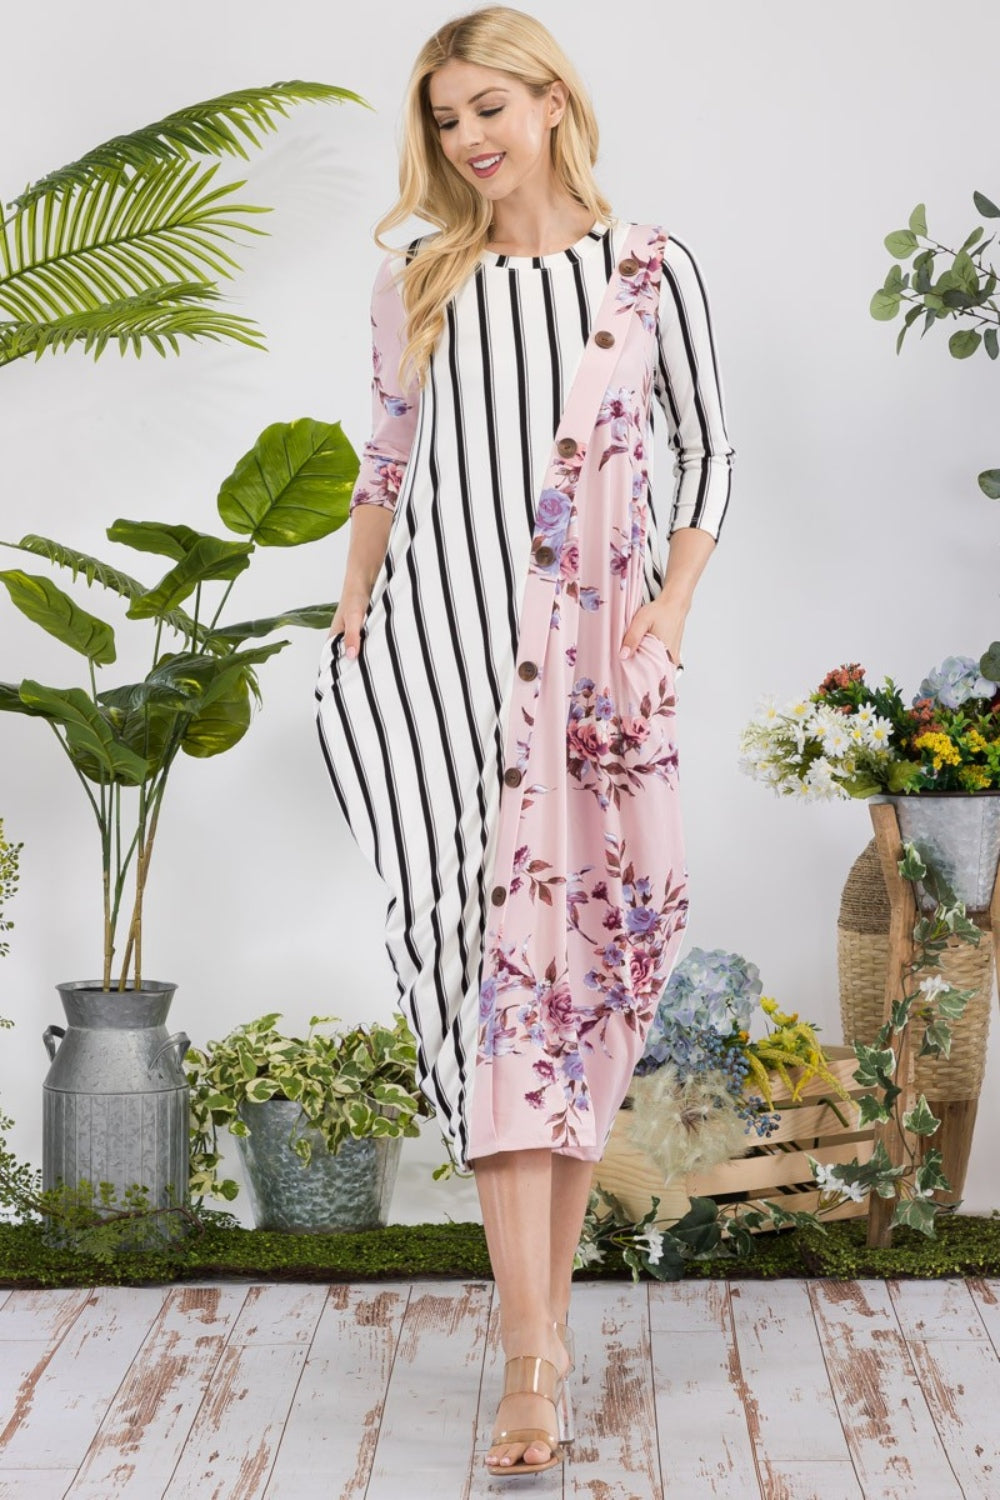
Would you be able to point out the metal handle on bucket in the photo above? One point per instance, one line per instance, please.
(47, 1038)
(179, 1038)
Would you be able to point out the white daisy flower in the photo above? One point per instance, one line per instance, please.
(880, 732)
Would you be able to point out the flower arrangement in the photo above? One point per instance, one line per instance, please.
(849, 739)
(706, 1084)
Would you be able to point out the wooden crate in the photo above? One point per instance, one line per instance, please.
(776, 1167)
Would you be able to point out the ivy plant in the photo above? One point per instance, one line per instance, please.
(930, 1004)
(349, 1085)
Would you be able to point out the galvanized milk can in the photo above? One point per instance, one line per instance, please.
(116, 1100)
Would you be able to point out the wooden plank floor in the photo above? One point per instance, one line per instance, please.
(790, 1390)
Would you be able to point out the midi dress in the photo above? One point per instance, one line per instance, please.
(513, 780)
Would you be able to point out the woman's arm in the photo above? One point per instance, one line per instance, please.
(688, 385)
(383, 459)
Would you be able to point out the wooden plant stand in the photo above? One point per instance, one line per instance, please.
(951, 1136)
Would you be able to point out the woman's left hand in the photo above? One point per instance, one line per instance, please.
(663, 619)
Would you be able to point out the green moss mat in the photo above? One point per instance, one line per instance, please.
(966, 1245)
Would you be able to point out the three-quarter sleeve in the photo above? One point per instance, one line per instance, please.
(688, 385)
(394, 411)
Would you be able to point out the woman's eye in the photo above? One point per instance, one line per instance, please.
(448, 124)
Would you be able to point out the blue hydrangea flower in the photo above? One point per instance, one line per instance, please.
(955, 681)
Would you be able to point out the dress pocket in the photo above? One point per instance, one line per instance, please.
(655, 644)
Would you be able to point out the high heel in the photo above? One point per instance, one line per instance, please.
(564, 1400)
(523, 1373)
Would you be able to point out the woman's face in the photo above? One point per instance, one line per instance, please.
(482, 114)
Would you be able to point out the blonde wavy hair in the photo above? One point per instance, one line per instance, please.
(500, 37)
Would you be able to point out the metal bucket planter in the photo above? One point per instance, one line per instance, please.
(957, 832)
(349, 1189)
(115, 1102)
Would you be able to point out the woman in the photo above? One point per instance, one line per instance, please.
(496, 700)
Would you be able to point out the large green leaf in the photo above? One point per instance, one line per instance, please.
(11, 702)
(209, 560)
(88, 730)
(147, 731)
(204, 678)
(46, 604)
(311, 616)
(130, 697)
(97, 571)
(293, 486)
(220, 725)
(162, 537)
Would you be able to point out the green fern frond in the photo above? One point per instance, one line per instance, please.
(93, 247)
(156, 315)
(211, 128)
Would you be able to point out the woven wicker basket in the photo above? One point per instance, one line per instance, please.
(776, 1168)
(952, 1085)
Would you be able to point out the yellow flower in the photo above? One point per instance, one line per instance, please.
(940, 746)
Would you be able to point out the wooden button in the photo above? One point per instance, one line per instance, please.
(527, 671)
(567, 446)
(499, 895)
(512, 776)
(604, 338)
(544, 556)
(628, 266)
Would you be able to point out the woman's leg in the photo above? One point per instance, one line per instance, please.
(515, 1192)
(571, 1179)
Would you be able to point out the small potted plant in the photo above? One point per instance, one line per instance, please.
(319, 1120)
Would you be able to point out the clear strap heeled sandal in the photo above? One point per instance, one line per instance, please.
(564, 1400)
(529, 1373)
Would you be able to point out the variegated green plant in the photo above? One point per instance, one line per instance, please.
(350, 1084)
(931, 1004)
(291, 488)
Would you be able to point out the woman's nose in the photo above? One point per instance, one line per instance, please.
(470, 136)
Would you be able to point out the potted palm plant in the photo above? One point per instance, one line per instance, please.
(319, 1121)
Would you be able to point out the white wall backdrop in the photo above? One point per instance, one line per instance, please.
(781, 142)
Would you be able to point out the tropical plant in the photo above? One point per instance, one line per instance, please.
(116, 245)
(350, 1084)
(291, 488)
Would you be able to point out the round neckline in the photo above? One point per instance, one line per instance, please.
(587, 244)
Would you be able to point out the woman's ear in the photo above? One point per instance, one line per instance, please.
(558, 99)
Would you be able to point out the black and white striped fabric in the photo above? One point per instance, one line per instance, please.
(412, 730)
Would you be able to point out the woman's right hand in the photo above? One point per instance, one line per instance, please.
(349, 617)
